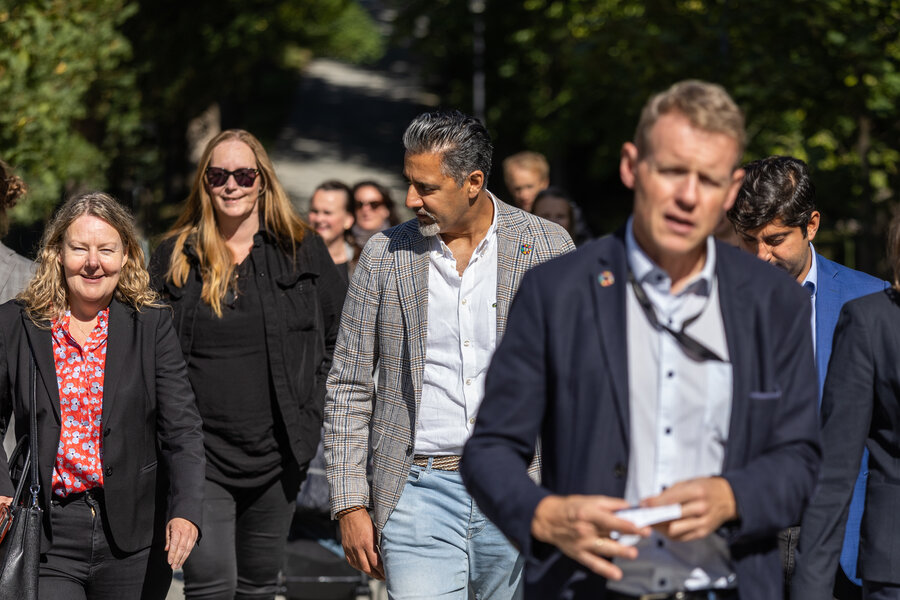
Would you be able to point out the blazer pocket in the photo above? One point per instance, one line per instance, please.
(148, 468)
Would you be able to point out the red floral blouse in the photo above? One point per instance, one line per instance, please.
(79, 375)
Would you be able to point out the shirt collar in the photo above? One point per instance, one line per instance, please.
(647, 272)
(811, 281)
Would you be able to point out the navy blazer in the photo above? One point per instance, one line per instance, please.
(859, 410)
(561, 372)
(836, 285)
(153, 459)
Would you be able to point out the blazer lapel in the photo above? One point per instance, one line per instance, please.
(116, 349)
(733, 295)
(609, 284)
(828, 307)
(41, 344)
(411, 268)
(512, 261)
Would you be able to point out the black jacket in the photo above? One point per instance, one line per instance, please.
(149, 415)
(302, 298)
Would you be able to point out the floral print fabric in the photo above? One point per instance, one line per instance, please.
(79, 375)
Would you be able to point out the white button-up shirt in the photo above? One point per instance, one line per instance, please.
(811, 284)
(462, 336)
(680, 411)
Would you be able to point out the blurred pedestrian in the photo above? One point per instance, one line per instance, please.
(526, 173)
(860, 409)
(118, 428)
(374, 211)
(555, 205)
(15, 270)
(256, 299)
(331, 215)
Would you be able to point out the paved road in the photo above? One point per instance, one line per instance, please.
(347, 124)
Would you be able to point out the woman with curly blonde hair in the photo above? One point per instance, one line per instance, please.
(256, 301)
(117, 421)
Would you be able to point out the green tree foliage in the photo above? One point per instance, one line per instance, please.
(67, 102)
(98, 93)
(819, 79)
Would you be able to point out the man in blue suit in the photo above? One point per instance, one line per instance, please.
(776, 218)
(660, 368)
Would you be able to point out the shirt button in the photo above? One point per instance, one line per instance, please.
(466, 343)
(670, 374)
(468, 382)
(472, 421)
(464, 300)
(668, 430)
(108, 471)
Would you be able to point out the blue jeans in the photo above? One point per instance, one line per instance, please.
(438, 544)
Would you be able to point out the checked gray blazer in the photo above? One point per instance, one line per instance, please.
(385, 321)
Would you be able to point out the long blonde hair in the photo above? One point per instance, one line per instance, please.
(46, 296)
(197, 223)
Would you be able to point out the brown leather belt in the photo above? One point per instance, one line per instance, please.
(441, 463)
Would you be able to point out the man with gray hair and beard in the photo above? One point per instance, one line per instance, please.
(428, 303)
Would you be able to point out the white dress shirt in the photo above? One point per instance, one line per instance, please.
(462, 336)
(680, 411)
(811, 284)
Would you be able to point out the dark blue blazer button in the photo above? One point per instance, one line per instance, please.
(619, 470)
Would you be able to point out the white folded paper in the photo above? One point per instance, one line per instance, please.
(644, 517)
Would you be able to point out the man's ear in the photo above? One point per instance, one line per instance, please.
(628, 160)
(737, 178)
(474, 183)
(813, 226)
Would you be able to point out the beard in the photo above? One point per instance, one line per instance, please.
(431, 229)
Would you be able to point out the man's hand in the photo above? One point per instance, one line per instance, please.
(580, 526)
(706, 503)
(181, 535)
(5, 500)
(358, 539)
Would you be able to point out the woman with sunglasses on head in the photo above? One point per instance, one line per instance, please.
(374, 211)
(119, 439)
(256, 301)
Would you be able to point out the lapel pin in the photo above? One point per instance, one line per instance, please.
(526, 249)
(606, 278)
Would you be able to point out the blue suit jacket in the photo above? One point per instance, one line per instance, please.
(561, 372)
(836, 285)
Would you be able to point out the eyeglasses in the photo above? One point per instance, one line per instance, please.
(373, 205)
(217, 176)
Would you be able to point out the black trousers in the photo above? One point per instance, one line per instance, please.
(244, 536)
(82, 562)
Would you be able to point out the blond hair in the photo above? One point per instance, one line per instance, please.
(706, 105)
(197, 223)
(46, 296)
(529, 161)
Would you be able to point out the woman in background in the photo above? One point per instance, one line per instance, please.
(374, 211)
(256, 301)
(331, 215)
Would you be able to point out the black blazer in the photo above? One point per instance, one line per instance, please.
(561, 372)
(860, 409)
(152, 434)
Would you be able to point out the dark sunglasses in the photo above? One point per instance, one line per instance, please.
(373, 205)
(217, 176)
